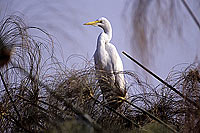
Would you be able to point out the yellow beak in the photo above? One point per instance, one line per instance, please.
(92, 23)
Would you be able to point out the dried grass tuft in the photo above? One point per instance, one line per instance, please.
(40, 94)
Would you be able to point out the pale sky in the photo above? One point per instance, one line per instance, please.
(64, 20)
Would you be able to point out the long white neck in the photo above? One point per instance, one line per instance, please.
(108, 31)
(103, 39)
(105, 36)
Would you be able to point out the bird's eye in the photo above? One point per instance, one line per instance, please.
(100, 21)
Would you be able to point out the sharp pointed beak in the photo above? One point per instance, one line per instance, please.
(92, 23)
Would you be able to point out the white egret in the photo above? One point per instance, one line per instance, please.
(107, 58)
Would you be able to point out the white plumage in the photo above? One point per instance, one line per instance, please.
(106, 56)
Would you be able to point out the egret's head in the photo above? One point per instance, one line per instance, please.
(101, 22)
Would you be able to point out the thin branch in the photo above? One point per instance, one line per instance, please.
(191, 13)
(150, 115)
(113, 110)
(162, 81)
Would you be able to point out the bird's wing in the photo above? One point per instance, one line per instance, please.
(117, 65)
(115, 58)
